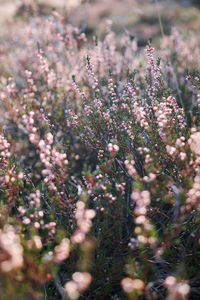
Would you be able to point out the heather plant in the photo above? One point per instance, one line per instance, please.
(99, 163)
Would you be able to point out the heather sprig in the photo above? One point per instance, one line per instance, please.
(99, 165)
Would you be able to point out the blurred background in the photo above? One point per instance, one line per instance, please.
(139, 17)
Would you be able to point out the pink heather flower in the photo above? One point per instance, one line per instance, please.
(149, 178)
(170, 150)
(71, 289)
(49, 138)
(37, 241)
(182, 156)
(154, 68)
(21, 175)
(83, 217)
(36, 225)
(140, 115)
(82, 279)
(170, 281)
(129, 285)
(176, 290)
(113, 148)
(90, 214)
(140, 220)
(142, 239)
(34, 138)
(62, 251)
(80, 283)
(130, 167)
(10, 245)
(194, 143)
(183, 290)
(26, 221)
(78, 237)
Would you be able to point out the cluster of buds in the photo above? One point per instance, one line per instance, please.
(133, 243)
(176, 291)
(148, 159)
(180, 143)
(98, 104)
(143, 231)
(112, 92)
(30, 81)
(113, 148)
(155, 69)
(73, 118)
(151, 177)
(49, 156)
(125, 107)
(194, 142)
(88, 110)
(128, 129)
(29, 77)
(35, 242)
(193, 199)
(131, 93)
(79, 91)
(35, 218)
(163, 114)
(29, 93)
(111, 198)
(171, 150)
(59, 158)
(168, 114)
(51, 79)
(4, 149)
(142, 200)
(51, 227)
(62, 251)
(120, 187)
(140, 115)
(35, 199)
(130, 285)
(49, 74)
(130, 167)
(83, 218)
(107, 117)
(79, 283)
(100, 154)
(198, 100)
(143, 150)
(43, 62)
(11, 87)
(4, 155)
(12, 251)
(29, 121)
(45, 156)
(11, 176)
(179, 112)
(194, 146)
(92, 78)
